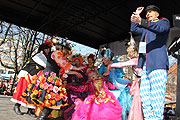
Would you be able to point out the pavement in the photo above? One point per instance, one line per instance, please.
(7, 113)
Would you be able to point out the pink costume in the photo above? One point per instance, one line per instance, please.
(136, 106)
(100, 104)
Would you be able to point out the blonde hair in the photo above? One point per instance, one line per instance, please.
(133, 51)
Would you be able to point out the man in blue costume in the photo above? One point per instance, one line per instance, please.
(153, 59)
(115, 76)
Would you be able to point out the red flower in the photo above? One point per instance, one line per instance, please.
(57, 97)
(46, 103)
(50, 79)
(52, 95)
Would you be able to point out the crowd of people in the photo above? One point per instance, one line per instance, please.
(6, 87)
(57, 84)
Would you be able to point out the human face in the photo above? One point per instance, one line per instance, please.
(105, 61)
(151, 15)
(90, 61)
(92, 75)
(130, 55)
(77, 62)
(47, 51)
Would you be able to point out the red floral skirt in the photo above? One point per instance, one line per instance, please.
(23, 83)
(46, 90)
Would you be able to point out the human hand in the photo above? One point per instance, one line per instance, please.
(106, 73)
(78, 75)
(135, 18)
(139, 10)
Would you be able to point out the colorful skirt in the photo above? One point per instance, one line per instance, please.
(46, 90)
(106, 107)
(23, 83)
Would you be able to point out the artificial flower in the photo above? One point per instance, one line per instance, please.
(34, 77)
(55, 89)
(35, 92)
(46, 73)
(53, 74)
(57, 97)
(24, 94)
(30, 86)
(45, 86)
(46, 103)
(50, 79)
(33, 81)
(50, 87)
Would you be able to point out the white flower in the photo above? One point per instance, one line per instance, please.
(49, 96)
(55, 89)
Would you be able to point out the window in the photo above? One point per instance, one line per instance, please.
(2, 71)
(10, 72)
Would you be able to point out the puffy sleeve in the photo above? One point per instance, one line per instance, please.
(132, 62)
(79, 88)
(61, 61)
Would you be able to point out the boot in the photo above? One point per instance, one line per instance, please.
(17, 109)
(44, 114)
(31, 112)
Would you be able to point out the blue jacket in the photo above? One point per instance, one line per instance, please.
(156, 33)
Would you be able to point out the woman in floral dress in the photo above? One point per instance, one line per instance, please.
(46, 88)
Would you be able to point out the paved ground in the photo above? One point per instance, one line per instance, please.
(6, 110)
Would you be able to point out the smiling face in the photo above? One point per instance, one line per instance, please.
(90, 61)
(151, 15)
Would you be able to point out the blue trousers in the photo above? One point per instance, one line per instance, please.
(152, 92)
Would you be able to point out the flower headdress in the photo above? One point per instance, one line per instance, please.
(92, 56)
(106, 53)
(45, 45)
(77, 56)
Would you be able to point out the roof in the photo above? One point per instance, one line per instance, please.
(89, 22)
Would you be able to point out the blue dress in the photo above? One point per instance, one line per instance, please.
(115, 76)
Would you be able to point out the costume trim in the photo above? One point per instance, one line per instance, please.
(23, 104)
(23, 73)
(40, 59)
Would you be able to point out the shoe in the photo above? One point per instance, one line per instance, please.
(17, 109)
(31, 112)
(44, 114)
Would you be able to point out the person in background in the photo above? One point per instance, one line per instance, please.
(153, 59)
(74, 97)
(100, 104)
(114, 76)
(135, 112)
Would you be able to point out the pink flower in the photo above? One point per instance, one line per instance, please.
(50, 87)
(45, 86)
(53, 74)
(46, 73)
(55, 89)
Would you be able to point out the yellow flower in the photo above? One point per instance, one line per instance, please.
(30, 85)
(35, 92)
(24, 94)
(28, 89)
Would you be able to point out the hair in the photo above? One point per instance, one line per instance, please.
(103, 52)
(133, 51)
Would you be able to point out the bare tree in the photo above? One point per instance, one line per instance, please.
(18, 45)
